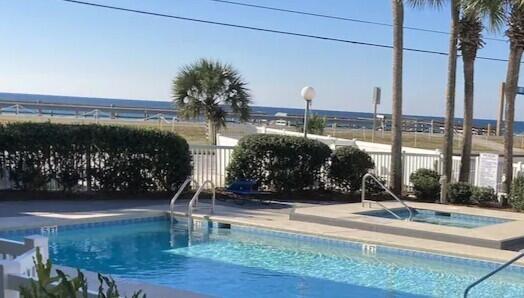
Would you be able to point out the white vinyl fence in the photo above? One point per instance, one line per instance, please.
(211, 162)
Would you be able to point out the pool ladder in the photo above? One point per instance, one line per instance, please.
(364, 201)
(194, 202)
(178, 193)
(497, 270)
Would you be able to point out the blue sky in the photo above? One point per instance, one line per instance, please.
(54, 47)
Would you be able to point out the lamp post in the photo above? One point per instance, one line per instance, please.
(308, 93)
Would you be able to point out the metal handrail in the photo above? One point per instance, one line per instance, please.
(363, 196)
(194, 200)
(178, 193)
(466, 292)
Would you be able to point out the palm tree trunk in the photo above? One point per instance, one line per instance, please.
(465, 162)
(396, 121)
(450, 93)
(512, 79)
(212, 133)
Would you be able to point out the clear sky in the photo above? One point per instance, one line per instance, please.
(54, 47)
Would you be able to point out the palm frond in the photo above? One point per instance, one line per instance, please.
(426, 3)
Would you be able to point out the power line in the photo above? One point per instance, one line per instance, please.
(267, 30)
(312, 14)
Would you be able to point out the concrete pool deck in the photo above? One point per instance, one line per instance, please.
(508, 235)
(257, 216)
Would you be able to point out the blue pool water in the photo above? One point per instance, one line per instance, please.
(247, 262)
(440, 218)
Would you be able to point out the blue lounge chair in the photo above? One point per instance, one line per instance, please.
(243, 189)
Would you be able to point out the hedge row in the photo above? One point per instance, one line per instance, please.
(93, 157)
(287, 163)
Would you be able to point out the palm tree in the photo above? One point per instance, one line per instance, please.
(396, 114)
(515, 33)
(451, 80)
(449, 125)
(207, 87)
(470, 40)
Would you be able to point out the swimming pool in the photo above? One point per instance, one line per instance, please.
(441, 218)
(251, 262)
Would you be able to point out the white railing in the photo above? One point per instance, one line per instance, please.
(16, 263)
(17, 267)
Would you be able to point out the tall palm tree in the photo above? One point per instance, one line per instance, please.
(396, 115)
(449, 124)
(470, 41)
(515, 33)
(207, 87)
(451, 79)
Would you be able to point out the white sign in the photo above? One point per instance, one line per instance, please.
(488, 170)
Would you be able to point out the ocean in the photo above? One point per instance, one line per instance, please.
(158, 104)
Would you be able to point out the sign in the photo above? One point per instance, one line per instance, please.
(520, 90)
(488, 170)
(376, 95)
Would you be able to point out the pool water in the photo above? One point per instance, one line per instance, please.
(441, 218)
(249, 262)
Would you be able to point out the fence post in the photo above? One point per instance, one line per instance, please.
(403, 169)
(438, 166)
(443, 189)
(41, 242)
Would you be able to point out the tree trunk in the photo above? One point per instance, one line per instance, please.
(450, 93)
(212, 132)
(465, 161)
(396, 121)
(512, 79)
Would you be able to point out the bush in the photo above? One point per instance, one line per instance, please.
(482, 195)
(459, 192)
(426, 184)
(282, 163)
(348, 166)
(516, 197)
(373, 188)
(109, 158)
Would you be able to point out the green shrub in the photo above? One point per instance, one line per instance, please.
(426, 183)
(282, 163)
(459, 192)
(482, 195)
(108, 158)
(348, 166)
(516, 197)
(373, 188)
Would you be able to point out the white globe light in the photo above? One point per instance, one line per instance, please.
(308, 93)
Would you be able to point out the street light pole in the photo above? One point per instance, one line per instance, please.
(306, 114)
(308, 93)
